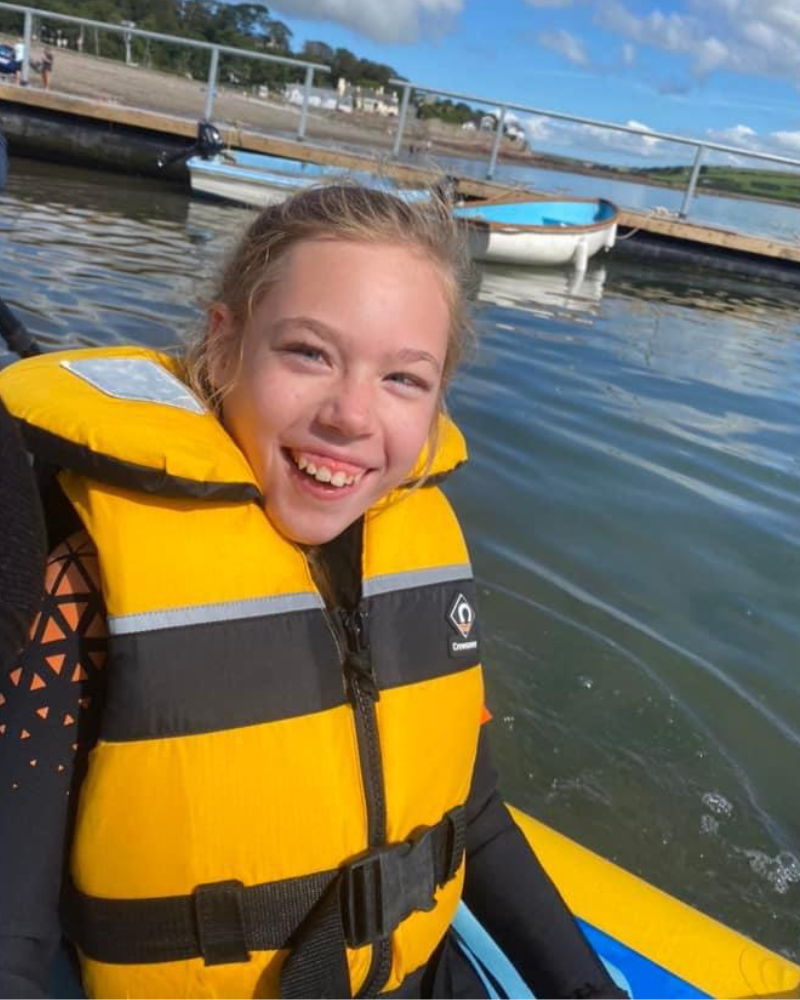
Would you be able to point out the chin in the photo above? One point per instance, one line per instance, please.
(304, 533)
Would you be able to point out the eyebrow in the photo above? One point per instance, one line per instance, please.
(408, 355)
(315, 325)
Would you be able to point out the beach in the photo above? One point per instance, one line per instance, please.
(100, 79)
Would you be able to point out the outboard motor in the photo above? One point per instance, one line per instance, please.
(207, 144)
(209, 141)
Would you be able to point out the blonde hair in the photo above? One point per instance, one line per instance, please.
(345, 212)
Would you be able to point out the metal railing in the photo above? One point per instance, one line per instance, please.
(701, 146)
(215, 50)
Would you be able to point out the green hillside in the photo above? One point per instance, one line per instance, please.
(780, 185)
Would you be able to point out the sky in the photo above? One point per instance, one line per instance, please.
(727, 71)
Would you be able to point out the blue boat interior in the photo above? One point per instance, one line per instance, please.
(541, 213)
(260, 161)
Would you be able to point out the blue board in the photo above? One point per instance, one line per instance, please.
(644, 977)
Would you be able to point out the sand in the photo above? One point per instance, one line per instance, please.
(109, 80)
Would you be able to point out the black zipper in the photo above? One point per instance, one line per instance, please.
(362, 691)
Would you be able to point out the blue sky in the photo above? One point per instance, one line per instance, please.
(725, 70)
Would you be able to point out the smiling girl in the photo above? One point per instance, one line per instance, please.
(263, 624)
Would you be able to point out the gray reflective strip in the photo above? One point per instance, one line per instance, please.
(202, 614)
(416, 578)
(138, 380)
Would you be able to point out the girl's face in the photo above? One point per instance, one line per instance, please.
(339, 382)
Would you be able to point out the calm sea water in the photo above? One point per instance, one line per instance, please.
(633, 510)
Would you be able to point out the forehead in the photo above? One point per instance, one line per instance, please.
(361, 259)
(350, 285)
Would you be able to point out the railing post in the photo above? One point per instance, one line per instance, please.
(27, 37)
(498, 135)
(689, 193)
(301, 128)
(212, 83)
(401, 121)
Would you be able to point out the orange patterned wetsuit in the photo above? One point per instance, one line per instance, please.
(50, 705)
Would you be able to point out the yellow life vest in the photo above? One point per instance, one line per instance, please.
(256, 748)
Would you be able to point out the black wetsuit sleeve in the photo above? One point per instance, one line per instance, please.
(512, 896)
(50, 702)
(23, 540)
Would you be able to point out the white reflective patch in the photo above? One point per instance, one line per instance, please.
(136, 379)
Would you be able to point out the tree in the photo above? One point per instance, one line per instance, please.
(280, 36)
(318, 52)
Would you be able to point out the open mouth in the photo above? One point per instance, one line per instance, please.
(322, 474)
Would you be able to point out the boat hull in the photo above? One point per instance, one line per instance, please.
(538, 248)
(258, 180)
(250, 180)
(539, 232)
(662, 947)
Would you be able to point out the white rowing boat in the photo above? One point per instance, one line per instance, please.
(540, 232)
(260, 180)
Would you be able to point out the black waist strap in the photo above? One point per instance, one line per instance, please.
(223, 922)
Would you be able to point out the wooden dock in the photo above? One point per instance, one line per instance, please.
(69, 127)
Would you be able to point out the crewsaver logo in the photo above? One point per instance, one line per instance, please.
(462, 617)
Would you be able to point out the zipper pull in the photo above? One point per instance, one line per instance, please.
(357, 661)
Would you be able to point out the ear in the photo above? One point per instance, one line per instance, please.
(222, 344)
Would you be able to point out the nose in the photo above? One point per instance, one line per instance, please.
(349, 408)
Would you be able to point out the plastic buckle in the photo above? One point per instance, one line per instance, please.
(220, 922)
(383, 888)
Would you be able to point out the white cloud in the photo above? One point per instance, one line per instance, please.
(542, 132)
(710, 54)
(628, 55)
(789, 142)
(736, 135)
(756, 37)
(624, 142)
(396, 21)
(566, 45)
(647, 141)
(537, 130)
(782, 143)
(549, 3)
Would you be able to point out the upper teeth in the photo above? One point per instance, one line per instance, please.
(324, 475)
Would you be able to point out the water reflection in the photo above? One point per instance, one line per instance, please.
(31, 183)
(746, 298)
(542, 291)
(93, 258)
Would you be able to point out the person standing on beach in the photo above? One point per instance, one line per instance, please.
(46, 67)
(19, 59)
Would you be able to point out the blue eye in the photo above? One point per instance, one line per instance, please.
(305, 351)
(409, 381)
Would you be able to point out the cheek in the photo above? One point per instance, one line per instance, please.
(410, 435)
(253, 398)
(245, 412)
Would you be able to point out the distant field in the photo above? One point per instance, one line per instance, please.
(774, 185)
(779, 185)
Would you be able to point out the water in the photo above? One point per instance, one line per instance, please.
(632, 506)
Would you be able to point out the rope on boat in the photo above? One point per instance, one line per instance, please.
(659, 212)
